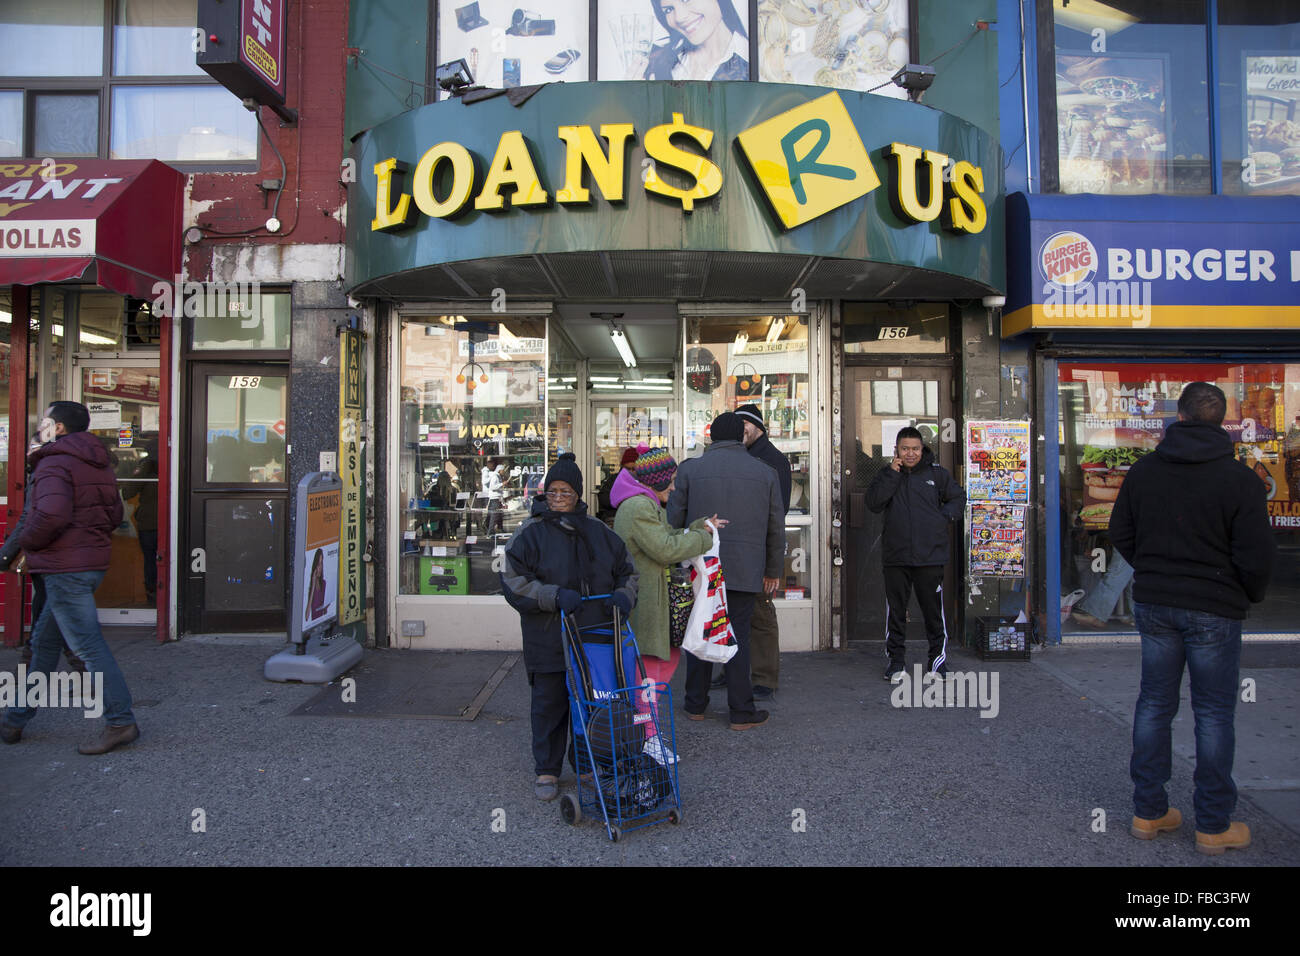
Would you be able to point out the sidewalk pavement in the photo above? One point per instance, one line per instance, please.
(233, 770)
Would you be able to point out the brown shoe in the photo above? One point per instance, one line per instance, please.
(1145, 829)
(760, 716)
(110, 738)
(1236, 837)
(690, 716)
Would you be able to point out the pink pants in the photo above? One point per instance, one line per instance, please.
(659, 671)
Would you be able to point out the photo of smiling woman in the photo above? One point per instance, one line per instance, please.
(685, 40)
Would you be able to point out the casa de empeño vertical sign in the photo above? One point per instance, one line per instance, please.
(352, 545)
(738, 167)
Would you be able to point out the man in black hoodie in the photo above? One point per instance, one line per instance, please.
(1192, 521)
(920, 500)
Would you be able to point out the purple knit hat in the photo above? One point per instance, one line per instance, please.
(655, 469)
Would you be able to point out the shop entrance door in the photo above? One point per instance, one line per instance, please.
(617, 424)
(235, 572)
(878, 401)
(123, 398)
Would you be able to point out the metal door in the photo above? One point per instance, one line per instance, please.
(236, 574)
(879, 400)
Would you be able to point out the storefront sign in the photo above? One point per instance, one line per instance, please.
(352, 473)
(654, 166)
(58, 218)
(244, 47)
(56, 237)
(1175, 265)
(808, 161)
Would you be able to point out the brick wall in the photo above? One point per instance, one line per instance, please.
(312, 201)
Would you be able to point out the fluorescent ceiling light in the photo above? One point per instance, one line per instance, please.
(602, 378)
(775, 329)
(624, 350)
(606, 387)
(1085, 15)
(650, 388)
(741, 341)
(658, 381)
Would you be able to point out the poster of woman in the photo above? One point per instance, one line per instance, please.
(322, 587)
(674, 40)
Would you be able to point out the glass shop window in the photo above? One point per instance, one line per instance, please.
(1114, 413)
(1132, 108)
(762, 360)
(472, 456)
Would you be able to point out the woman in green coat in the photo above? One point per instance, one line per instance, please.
(640, 495)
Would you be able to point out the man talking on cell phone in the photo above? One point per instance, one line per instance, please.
(920, 500)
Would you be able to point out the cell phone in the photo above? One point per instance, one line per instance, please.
(510, 72)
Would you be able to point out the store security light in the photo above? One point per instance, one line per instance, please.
(454, 77)
(915, 78)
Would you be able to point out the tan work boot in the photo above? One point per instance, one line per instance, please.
(1236, 837)
(1145, 829)
(111, 737)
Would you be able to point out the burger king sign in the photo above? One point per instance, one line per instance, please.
(1068, 259)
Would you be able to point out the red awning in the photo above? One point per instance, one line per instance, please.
(114, 222)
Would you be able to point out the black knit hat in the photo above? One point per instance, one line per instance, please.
(727, 427)
(750, 413)
(565, 469)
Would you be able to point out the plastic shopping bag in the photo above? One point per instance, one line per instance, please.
(709, 635)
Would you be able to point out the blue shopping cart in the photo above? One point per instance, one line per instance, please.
(624, 739)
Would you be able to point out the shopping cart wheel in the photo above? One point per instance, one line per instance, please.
(615, 833)
(570, 809)
(674, 816)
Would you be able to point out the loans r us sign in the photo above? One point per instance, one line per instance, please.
(647, 167)
(807, 161)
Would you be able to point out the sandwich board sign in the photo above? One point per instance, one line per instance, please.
(316, 657)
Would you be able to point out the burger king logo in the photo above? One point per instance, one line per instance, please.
(1068, 259)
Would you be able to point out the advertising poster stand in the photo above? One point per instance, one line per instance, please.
(320, 652)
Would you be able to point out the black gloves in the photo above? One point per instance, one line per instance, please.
(567, 601)
(621, 601)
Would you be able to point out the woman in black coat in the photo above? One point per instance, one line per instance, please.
(556, 558)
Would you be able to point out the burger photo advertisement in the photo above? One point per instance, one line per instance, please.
(1107, 457)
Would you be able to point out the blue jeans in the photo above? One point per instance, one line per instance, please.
(1211, 647)
(70, 609)
(1103, 597)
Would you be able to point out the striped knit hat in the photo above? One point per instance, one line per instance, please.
(655, 469)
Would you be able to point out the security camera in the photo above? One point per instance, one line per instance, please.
(994, 301)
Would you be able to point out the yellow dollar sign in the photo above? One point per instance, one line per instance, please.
(659, 145)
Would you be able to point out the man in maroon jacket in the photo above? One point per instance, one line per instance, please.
(68, 538)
